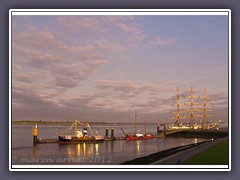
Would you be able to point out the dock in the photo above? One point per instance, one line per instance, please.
(197, 133)
(55, 140)
(180, 132)
(41, 141)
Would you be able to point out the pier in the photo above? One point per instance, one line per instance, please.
(39, 141)
(180, 132)
(197, 133)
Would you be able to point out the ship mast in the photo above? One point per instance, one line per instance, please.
(206, 109)
(135, 122)
(177, 105)
(75, 127)
(192, 106)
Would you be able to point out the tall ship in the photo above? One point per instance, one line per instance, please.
(191, 110)
(137, 135)
(82, 133)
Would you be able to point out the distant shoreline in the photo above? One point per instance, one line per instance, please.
(28, 122)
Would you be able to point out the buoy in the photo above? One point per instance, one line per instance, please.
(35, 133)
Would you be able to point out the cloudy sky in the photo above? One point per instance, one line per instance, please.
(102, 68)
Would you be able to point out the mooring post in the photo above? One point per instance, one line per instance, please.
(112, 132)
(164, 130)
(35, 133)
(158, 128)
(106, 132)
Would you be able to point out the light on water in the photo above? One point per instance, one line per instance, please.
(104, 153)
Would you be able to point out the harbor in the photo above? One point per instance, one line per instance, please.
(187, 133)
(124, 143)
(190, 112)
(49, 151)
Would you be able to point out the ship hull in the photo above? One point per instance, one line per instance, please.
(63, 140)
(136, 138)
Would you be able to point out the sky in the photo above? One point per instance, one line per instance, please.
(103, 68)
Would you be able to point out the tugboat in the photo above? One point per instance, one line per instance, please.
(137, 136)
(80, 135)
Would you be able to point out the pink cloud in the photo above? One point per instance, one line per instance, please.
(163, 40)
(64, 81)
(110, 46)
(81, 24)
(16, 67)
(219, 99)
(123, 86)
(27, 77)
(41, 51)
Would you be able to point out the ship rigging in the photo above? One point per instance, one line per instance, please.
(191, 109)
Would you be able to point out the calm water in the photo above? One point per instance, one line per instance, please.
(109, 152)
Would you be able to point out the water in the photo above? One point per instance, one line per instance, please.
(104, 153)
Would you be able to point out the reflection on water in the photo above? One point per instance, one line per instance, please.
(138, 147)
(34, 152)
(96, 147)
(82, 149)
(107, 152)
(110, 152)
(90, 150)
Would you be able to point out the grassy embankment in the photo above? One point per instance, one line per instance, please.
(216, 155)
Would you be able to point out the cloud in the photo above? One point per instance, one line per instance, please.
(27, 77)
(50, 62)
(60, 63)
(29, 98)
(28, 103)
(43, 41)
(33, 57)
(114, 29)
(64, 81)
(118, 86)
(163, 40)
(130, 86)
(125, 95)
(81, 24)
(34, 38)
(109, 45)
(133, 29)
(219, 99)
(15, 67)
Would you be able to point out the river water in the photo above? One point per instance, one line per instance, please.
(104, 153)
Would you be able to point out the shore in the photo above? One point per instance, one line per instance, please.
(29, 122)
(175, 155)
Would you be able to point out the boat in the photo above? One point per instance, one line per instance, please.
(191, 110)
(80, 135)
(137, 135)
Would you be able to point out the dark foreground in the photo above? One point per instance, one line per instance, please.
(160, 155)
(179, 154)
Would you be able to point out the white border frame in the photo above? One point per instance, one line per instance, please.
(117, 12)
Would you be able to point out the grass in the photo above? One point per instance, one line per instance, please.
(216, 155)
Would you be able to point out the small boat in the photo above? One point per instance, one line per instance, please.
(137, 136)
(80, 135)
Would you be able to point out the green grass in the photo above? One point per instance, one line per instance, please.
(216, 155)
